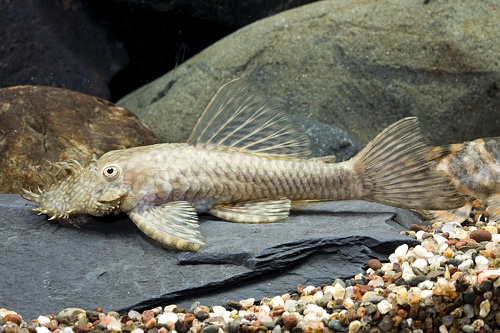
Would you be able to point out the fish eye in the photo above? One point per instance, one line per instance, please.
(111, 172)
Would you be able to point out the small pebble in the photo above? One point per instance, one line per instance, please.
(480, 235)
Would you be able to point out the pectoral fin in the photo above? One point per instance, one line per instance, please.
(258, 211)
(173, 224)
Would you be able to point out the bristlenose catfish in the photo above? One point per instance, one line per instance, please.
(474, 168)
(244, 162)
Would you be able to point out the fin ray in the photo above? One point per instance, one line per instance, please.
(257, 211)
(400, 170)
(238, 120)
(173, 224)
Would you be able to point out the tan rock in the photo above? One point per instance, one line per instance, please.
(44, 123)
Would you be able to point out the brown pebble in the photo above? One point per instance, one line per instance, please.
(426, 235)
(375, 264)
(150, 323)
(453, 270)
(300, 289)
(376, 315)
(416, 324)
(480, 235)
(179, 310)
(147, 315)
(396, 320)
(449, 307)
(428, 322)
(14, 318)
(445, 234)
(162, 330)
(417, 227)
(81, 329)
(351, 314)
(290, 321)
(413, 312)
(277, 313)
(188, 320)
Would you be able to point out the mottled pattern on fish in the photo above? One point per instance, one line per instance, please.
(244, 162)
(474, 168)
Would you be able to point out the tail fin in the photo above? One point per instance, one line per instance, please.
(399, 170)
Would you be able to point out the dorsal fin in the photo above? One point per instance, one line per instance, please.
(238, 120)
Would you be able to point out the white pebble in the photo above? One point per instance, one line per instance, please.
(420, 251)
(481, 263)
(329, 289)
(114, 325)
(402, 296)
(338, 292)
(448, 227)
(277, 301)
(484, 308)
(42, 329)
(219, 310)
(426, 294)
(349, 291)
(169, 308)
(495, 238)
(307, 290)
(440, 239)
(70, 330)
(43, 320)
(426, 285)
(401, 250)
(467, 264)
(420, 263)
(134, 315)
(348, 303)
(354, 326)
(317, 296)
(167, 317)
(247, 302)
(384, 306)
(419, 234)
(290, 305)
(443, 329)
(377, 282)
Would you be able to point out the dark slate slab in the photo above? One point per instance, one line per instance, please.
(111, 265)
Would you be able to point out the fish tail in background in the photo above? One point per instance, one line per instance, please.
(398, 170)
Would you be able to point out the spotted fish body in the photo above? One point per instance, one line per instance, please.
(474, 168)
(244, 162)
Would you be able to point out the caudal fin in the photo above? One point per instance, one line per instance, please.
(400, 171)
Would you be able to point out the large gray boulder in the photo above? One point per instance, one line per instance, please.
(110, 264)
(358, 64)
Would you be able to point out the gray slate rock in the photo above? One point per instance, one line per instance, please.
(360, 65)
(112, 265)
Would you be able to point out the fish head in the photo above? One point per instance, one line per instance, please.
(71, 193)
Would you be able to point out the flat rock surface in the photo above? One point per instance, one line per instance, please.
(359, 65)
(110, 264)
(39, 124)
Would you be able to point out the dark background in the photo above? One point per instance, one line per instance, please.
(108, 48)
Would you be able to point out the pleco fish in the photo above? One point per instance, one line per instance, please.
(474, 168)
(244, 162)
